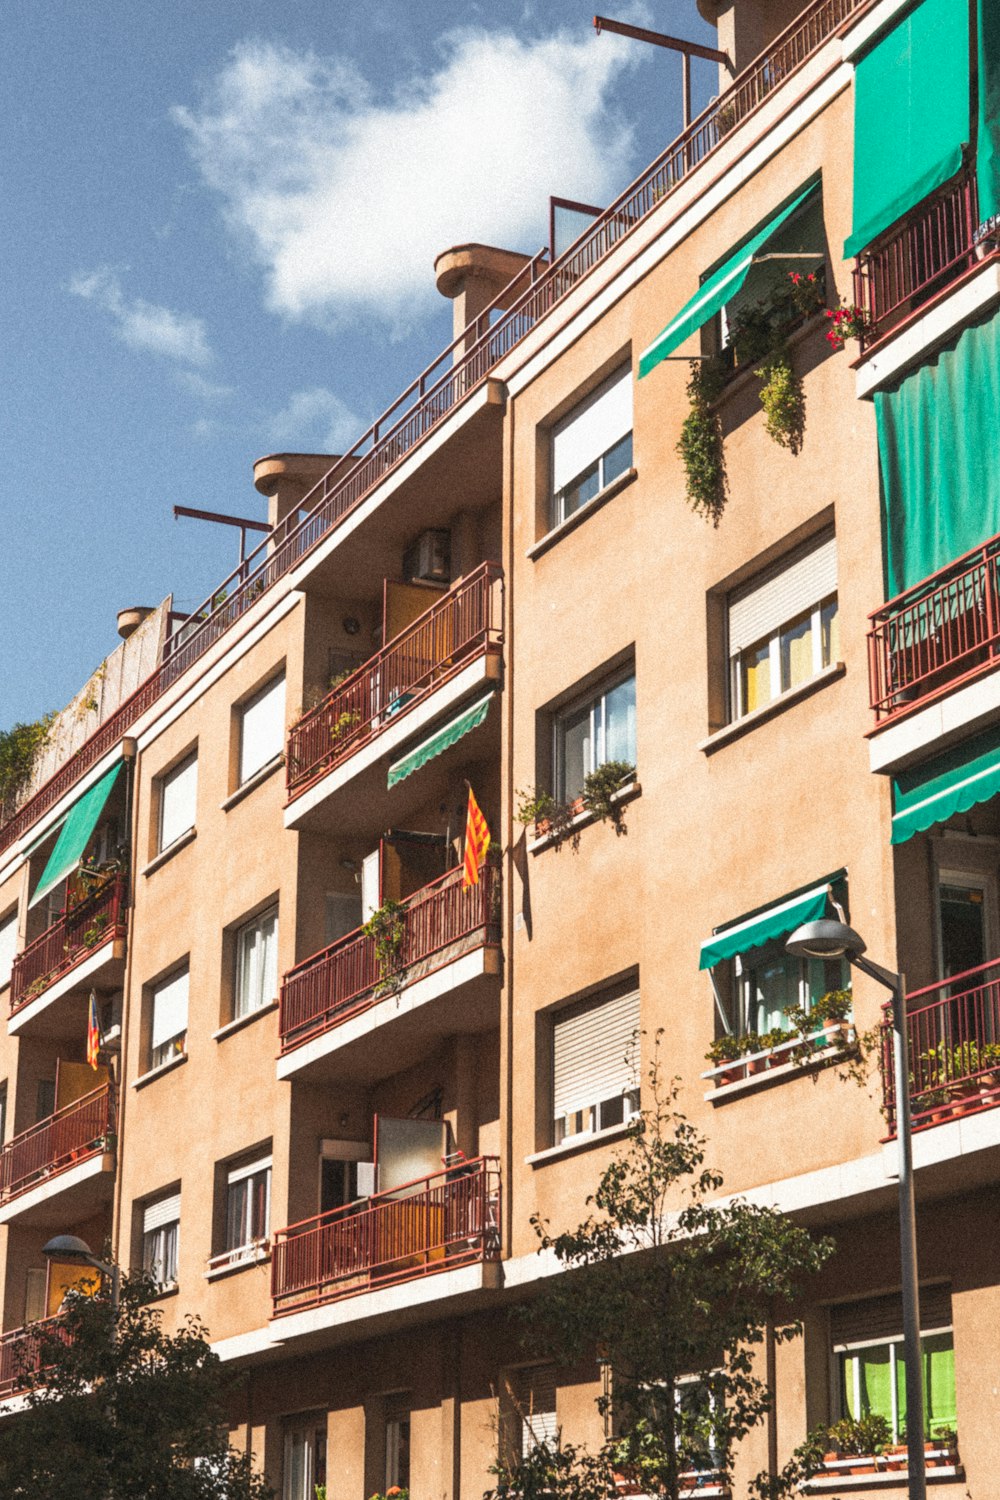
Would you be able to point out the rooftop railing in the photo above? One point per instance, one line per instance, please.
(453, 376)
(436, 1223)
(88, 925)
(68, 1137)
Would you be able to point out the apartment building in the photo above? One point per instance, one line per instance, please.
(329, 1143)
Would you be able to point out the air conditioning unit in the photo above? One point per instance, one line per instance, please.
(428, 559)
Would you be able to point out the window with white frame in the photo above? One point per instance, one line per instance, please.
(248, 1207)
(161, 1227)
(256, 982)
(597, 728)
(168, 1018)
(769, 981)
(304, 1458)
(700, 1405)
(262, 728)
(783, 628)
(594, 1066)
(178, 793)
(530, 1411)
(8, 946)
(397, 1443)
(592, 446)
(867, 1345)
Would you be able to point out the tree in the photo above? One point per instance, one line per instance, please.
(121, 1410)
(678, 1295)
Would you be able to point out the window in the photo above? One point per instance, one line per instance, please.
(262, 728)
(700, 1405)
(867, 1344)
(169, 1016)
(592, 446)
(161, 1227)
(178, 792)
(36, 1285)
(305, 1458)
(256, 964)
(594, 1073)
(592, 732)
(783, 628)
(529, 1411)
(8, 946)
(768, 980)
(397, 1443)
(248, 1207)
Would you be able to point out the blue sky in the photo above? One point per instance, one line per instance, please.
(221, 222)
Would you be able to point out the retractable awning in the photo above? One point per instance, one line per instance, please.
(441, 740)
(772, 922)
(77, 827)
(950, 783)
(720, 287)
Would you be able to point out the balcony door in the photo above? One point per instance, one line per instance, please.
(967, 919)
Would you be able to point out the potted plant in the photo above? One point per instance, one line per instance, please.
(989, 1062)
(941, 1449)
(751, 1042)
(770, 1040)
(600, 789)
(862, 1438)
(725, 1049)
(387, 930)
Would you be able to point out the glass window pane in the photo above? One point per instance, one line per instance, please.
(617, 460)
(796, 653)
(619, 722)
(755, 676)
(774, 984)
(583, 488)
(829, 621)
(575, 753)
(262, 728)
(236, 1214)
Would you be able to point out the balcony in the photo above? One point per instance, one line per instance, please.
(463, 626)
(954, 1037)
(433, 1224)
(442, 926)
(20, 1353)
(84, 929)
(73, 1135)
(937, 635)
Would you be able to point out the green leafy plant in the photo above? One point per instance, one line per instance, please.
(782, 395)
(344, 724)
(387, 930)
(834, 1006)
(724, 1049)
(20, 747)
(808, 292)
(700, 443)
(847, 322)
(600, 788)
(859, 1436)
(394, 1492)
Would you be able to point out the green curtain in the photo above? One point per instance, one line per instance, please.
(911, 116)
(937, 434)
(938, 1352)
(988, 143)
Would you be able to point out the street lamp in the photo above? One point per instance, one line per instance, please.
(829, 939)
(69, 1250)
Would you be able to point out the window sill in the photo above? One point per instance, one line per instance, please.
(580, 820)
(154, 1073)
(579, 1143)
(241, 1021)
(159, 860)
(777, 705)
(579, 516)
(775, 1065)
(163, 1292)
(253, 782)
(842, 1473)
(249, 1256)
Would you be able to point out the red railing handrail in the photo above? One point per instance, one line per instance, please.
(97, 1111)
(109, 899)
(31, 1331)
(388, 1195)
(915, 594)
(945, 984)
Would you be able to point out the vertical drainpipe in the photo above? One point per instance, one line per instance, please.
(132, 823)
(772, 1415)
(507, 1058)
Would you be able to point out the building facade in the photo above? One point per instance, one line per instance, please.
(328, 1141)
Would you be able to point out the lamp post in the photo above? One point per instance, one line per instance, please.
(67, 1249)
(829, 939)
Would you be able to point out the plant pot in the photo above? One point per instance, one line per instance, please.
(731, 1075)
(863, 1466)
(756, 1065)
(896, 1457)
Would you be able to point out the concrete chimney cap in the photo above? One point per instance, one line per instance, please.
(303, 468)
(461, 263)
(131, 618)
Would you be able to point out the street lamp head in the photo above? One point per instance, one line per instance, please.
(70, 1250)
(826, 939)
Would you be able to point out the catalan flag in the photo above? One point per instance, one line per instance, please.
(477, 841)
(93, 1032)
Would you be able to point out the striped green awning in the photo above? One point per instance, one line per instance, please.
(441, 740)
(950, 783)
(77, 826)
(714, 293)
(772, 922)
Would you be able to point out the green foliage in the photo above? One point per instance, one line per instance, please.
(859, 1435)
(783, 397)
(123, 1412)
(835, 1005)
(700, 443)
(599, 789)
(19, 749)
(387, 930)
(542, 811)
(724, 1049)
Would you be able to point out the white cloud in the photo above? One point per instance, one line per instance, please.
(314, 420)
(346, 200)
(145, 325)
(198, 385)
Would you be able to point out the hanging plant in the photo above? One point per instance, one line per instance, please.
(846, 322)
(700, 444)
(600, 789)
(783, 397)
(387, 931)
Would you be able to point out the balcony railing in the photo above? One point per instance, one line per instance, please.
(458, 371)
(440, 922)
(935, 635)
(21, 1353)
(954, 1039)
(464, 624)
(432, 1224)
(80, 1130)
(906, 267)
(81, 929)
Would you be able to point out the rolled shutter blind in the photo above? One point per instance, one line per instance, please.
(781, 594)
(163, 1211)
(178, 801)
(262, 735)
(536, 1397)
(592, 1053)
(170, 1009)
(261, 1164)
(882, 1317)
(8, 947)
(592, 428)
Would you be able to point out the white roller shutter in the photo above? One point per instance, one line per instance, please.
(781, 595)
(249, 1169)
(177, 801)
(536, 1398)
(592, 428)
(8, 947)
(262, 736)
(170, 1009)
(593, 1053)
(163, 1211)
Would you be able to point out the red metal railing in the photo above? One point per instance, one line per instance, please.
(465, 623)
(931, 247)
(21, 1351)
(346, 978)
(954, 1041)
(453, 376)
(67, 942)
(432, 1224)
(69, 1136)
(936, 634)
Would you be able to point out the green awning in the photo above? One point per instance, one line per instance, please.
(774, 921)
(988, 138)
(950, 783)
(723, 284)
(441, 740)
(911, 116)
(78, 824)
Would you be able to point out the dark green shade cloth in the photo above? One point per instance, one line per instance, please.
(988, 143)
(911, 116)
(753, 932)
(937, 439)
(441, 740)
(950, 783)
(716, 291)
(78, 825)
